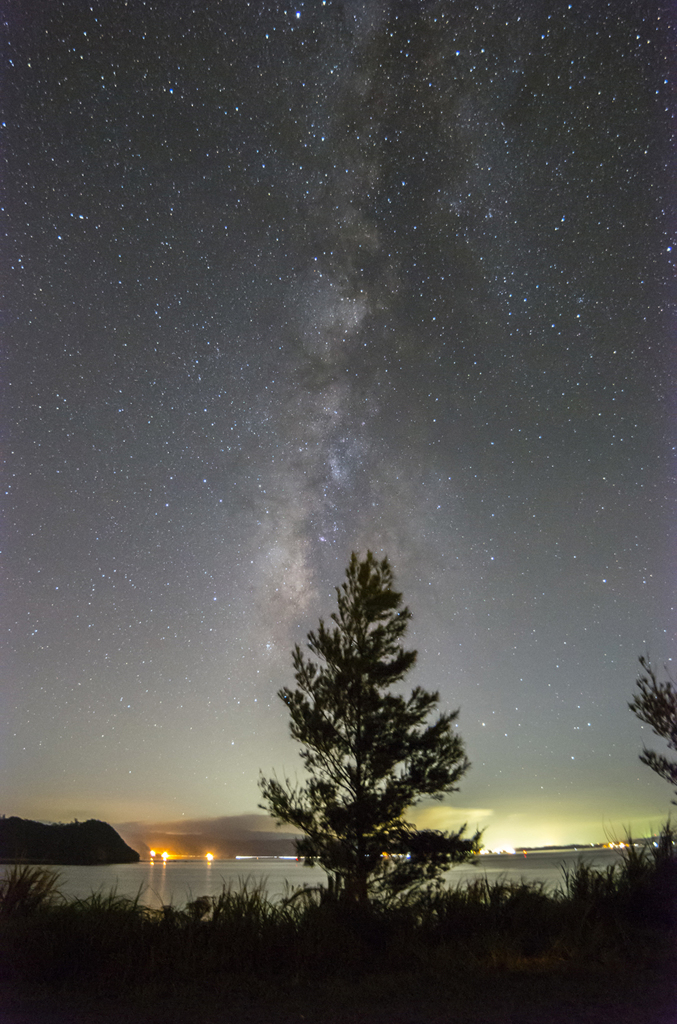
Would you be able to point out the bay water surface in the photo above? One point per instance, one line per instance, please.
(179, 881)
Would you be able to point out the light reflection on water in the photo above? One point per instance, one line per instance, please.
(179, 881)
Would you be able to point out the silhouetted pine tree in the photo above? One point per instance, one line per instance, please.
(369, 753)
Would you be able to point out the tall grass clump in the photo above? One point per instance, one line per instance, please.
(25, 887)
(628, 899)
(647, 881)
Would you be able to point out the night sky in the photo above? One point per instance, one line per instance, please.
(285, 282)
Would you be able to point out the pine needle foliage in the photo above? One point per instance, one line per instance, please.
(369, 753)
(655, 703)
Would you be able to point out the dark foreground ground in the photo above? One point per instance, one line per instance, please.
(602, 950)
(620, 993)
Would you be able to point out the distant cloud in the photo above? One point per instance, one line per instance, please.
(446, 819)
(256, 834)
(228, 836)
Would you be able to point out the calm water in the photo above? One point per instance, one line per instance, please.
(182, 880)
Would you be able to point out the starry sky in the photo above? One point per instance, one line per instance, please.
(287, 281)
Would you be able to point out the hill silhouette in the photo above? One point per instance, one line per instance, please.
(79, 842)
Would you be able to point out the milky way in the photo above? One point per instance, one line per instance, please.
(286, 282)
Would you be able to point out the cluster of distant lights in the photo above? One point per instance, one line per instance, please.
(511, 849)
(209, 857)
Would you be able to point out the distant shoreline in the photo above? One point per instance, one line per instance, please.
(518, 851)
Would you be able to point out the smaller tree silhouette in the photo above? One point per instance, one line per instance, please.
(656, 704)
